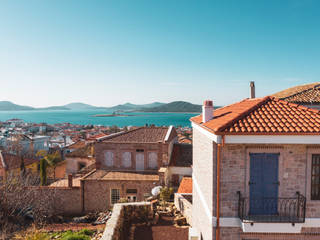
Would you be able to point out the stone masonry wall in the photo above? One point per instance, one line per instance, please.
(123, 215)
(119, 148)
(294, 174)
(97, 193)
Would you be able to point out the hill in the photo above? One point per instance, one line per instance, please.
(9, 106)
(133, 107)
(79, 106)
(178, 106)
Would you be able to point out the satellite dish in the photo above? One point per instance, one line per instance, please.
(156, 190)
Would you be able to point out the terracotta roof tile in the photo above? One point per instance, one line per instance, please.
(122, 176)
(303, 94)
(141, 135)
(266, 115)
(185, 185)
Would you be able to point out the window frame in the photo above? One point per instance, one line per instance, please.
(111, 196)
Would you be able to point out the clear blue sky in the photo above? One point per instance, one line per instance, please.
(108, 52)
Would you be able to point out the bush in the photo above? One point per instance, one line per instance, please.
(166, 193)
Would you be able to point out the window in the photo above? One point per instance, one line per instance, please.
(81, 165)
(126, 159)
(315, 177)
(115, 196)
(109, 158)
(132, 191)
(153, 160)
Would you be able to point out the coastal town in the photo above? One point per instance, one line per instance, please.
(159, 120)
(248, 170)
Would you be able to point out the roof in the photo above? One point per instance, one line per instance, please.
(122, 176)
(64, 183)
(185, 185)
(181, 155)
(263, 116)
(310, 96)
(83, 152)
(295, 90)
(10, 161)
(76, 145)
(140, 135)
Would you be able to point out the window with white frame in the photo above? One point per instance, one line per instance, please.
(126, 159)
(153, 160)
(115, 195)
(108, 158)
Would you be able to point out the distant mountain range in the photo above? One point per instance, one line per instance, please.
(177, 106)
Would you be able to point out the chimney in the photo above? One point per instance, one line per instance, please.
(253, 90)
(207, 111)
(70, 180)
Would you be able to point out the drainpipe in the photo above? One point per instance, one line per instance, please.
(220, 145)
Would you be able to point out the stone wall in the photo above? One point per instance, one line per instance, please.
(119, 148)
(66, 201)
(123, 216)
(97, 193)
(184, 205)
(294, 174)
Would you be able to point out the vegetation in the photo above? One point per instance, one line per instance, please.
(84, 234)
(166, 193)
(48, 159)
(178, 106)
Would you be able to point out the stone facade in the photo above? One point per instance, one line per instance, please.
(294, 176)
(118, 149)
(97, 193)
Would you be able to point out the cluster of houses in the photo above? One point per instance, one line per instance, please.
(252, 167)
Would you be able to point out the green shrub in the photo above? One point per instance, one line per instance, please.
(86, 232)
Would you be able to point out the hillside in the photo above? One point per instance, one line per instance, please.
(79, 106)
(178, 106)
(133, 107)
(9, 106)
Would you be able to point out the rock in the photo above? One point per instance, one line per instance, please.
(181, 221)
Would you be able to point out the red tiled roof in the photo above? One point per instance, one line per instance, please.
(185, 185)
(141, 135)
(310, 96)
(266, 115)
(295, 90)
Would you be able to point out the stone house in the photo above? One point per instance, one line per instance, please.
(180, 164)
(11, 164)
(128, 165)
(256, 171)
(79, 158)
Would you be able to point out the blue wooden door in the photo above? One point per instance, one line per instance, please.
(264, 183)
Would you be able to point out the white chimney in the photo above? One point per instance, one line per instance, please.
(207, 111)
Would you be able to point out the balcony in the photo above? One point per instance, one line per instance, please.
(272, 210)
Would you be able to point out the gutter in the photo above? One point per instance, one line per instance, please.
(219, 149)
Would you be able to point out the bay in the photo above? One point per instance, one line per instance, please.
(87, 117)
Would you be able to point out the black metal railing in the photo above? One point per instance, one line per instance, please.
(291, 210)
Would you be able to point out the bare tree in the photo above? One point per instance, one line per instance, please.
(23, 201)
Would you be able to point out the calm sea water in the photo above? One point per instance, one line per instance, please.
(87, 117)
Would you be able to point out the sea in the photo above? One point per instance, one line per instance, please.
(87, 117)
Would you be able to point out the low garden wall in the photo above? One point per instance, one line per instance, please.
(123, 216)
(183, 203)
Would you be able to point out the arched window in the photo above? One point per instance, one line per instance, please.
(153, 160)
(126, 159)
(108, 158)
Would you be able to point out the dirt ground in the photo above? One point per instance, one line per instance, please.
(163, 230)
(55, 227)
